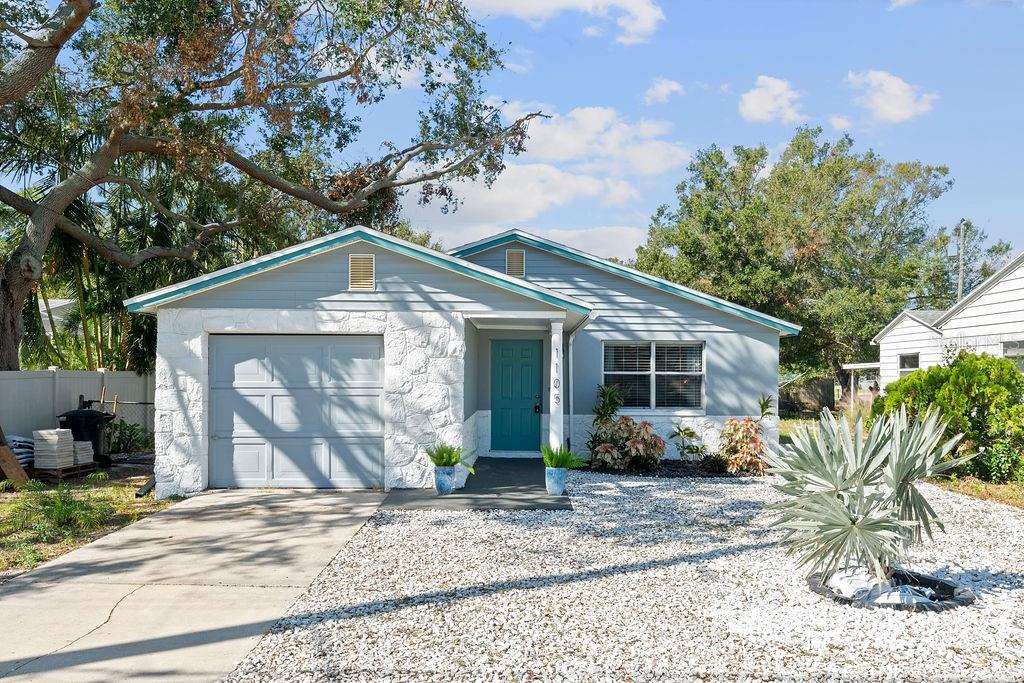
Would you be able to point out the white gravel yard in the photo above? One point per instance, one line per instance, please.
(648, 579)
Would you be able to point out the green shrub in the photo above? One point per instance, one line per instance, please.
(688, 443)
(561, 457)
(127, 437)
(446, 455)
(974, 392)
(999, 463)
(715, 463)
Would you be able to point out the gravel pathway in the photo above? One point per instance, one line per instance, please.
(648, 579)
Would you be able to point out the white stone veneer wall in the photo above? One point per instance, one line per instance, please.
(424, 357)
(708, 427)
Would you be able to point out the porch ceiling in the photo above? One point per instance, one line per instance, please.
(527, 320)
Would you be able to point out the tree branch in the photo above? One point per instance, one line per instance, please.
(20, 75)
(219, 226)
(358, 199)
(108, 249)
(232, 76)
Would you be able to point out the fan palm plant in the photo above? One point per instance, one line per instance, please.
(852, 493)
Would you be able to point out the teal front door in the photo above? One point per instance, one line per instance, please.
(515, 395)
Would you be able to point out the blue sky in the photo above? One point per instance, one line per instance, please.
(636, 86)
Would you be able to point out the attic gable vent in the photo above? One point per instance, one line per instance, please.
(361, 272)
(515, 262)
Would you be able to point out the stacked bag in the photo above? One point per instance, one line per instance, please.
(23, 448)
(54, 448)
(83, 452)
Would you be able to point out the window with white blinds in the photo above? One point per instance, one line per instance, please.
(515, 262)
(656, 374)
(361, 274)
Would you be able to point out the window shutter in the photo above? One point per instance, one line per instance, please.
(361, 272)
(515, 262)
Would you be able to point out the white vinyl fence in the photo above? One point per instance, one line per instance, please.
(32, 399)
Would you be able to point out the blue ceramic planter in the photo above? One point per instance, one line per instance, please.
(444, 480)
(554, 480)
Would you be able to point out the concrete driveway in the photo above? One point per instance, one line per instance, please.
(181, 595)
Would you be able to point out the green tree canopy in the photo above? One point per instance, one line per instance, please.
(836, 240)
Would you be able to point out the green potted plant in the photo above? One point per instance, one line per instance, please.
(445, 457)
(557, 461)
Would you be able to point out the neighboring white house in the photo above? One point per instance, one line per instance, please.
(988, 320)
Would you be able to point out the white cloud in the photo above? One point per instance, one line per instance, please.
(519, 195)
(619, 241)
(840, 122)
(771, 99)
(897, 4)
(889, 98)
(593, 31)
(637, 19)
(600, 140)
(662, 89)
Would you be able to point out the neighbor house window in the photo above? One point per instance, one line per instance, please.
(515, 262)
(361, 271)
(656, 374)
(909, 362)
(1014, 350)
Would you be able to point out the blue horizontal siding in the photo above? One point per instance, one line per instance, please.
(402, 283)
(741, 356)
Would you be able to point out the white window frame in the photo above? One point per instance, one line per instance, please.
(373, 265)
(653, 373)
(1017, 346)
(903, 372)
(520, 251)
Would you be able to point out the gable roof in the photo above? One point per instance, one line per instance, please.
(150, 301)
(924, 316)
(515, 235)
(976, 293)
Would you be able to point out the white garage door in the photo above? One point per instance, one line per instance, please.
(296, 410)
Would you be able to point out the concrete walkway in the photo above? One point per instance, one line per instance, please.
(181, 595)
(499, 484)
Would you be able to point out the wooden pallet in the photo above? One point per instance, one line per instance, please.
(59, 474)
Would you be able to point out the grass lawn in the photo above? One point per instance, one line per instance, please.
(1010, 494)
(789, 425)
(36, 526)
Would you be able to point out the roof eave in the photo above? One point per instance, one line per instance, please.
(151, 301)
(783, 327)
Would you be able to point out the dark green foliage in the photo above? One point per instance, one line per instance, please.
(127, 437)
(828, 237)
(1000, 463)
(972, 392)
(982, 397)
(716, 463)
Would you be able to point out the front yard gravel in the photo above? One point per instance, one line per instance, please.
(647, 579)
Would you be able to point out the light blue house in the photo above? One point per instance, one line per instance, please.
(336, 362)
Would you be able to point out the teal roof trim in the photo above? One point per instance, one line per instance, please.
(607, 266)
(159, 297)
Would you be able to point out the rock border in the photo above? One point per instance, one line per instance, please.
(953, 595)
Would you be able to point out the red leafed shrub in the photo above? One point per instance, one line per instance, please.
(625, 444)
(742, 446)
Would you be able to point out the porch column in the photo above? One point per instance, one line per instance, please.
(556, 427)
